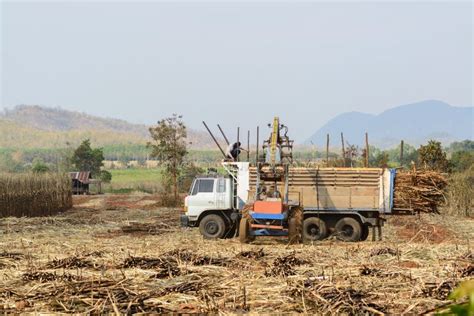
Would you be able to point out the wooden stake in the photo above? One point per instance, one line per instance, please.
(248, 145)
(256, 151)
(401, 153)
(343, 151)
(327, 150)
(366, 150)
(238, 140)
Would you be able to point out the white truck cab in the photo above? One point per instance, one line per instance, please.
(214, 201)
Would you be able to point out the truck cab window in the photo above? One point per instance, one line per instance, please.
(206, 185)
(195, 187)
(220, 185)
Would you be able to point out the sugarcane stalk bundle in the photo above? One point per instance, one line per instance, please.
(419, 190)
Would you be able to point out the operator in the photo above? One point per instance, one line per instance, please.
(233, 151)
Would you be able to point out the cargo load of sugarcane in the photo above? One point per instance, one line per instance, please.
(383, 189)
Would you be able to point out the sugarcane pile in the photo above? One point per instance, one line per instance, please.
(419, 191)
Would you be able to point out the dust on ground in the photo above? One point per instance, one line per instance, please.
(121, 253)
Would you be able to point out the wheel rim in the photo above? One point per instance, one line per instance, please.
(347, 230)
(212, 228)
(313, 230)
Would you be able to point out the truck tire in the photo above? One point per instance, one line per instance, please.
(365, 232)
(348, 229)
(314, 229)
(244, 230)
(212, 226)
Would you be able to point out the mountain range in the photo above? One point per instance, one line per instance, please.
(32, 126)
(414, 123)
(27, 126)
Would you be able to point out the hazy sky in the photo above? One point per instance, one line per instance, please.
(236, 63)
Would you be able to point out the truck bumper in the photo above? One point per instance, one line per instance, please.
(184, 221)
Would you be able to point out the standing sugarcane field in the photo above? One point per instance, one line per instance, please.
(237, 158)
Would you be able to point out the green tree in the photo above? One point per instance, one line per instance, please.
(105, 176)
(432, 156)
(86, 158)
(168, 146)
(381, 160)
(462, 160)
(465, 145)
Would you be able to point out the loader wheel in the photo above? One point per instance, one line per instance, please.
(314, 229)
(244, 230)
(365, 233)
(212, 227)
(348, 229)
(246, 214)
(295, 226)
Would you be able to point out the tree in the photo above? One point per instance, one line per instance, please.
(105, 176)
(462, 160)
(169, 148)
(86, 158)
(381, 160)
(432, 156)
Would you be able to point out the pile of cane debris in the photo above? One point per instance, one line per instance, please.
(419, 191)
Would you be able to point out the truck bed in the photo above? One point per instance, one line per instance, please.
(335, 188)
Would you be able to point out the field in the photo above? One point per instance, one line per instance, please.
(129, 180)
(121, 253)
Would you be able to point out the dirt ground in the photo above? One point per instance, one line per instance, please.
(123, 254)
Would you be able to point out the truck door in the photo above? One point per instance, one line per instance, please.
(202, 196)
(221, 194)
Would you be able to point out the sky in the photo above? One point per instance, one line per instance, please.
(235, 63)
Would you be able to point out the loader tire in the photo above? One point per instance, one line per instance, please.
(348, 229)
(244, 230)
(245, 214)
(295, 226)
(314, 229)
(212, 226)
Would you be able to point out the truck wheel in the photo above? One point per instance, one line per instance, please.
(212, 226)
(348, 229)
(314, 229)
(365, 233)
(244, 230)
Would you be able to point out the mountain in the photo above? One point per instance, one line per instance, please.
(415, 123)
(27, 126)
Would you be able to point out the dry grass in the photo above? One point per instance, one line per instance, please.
(84, 261)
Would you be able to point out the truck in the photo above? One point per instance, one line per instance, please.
(344, 202)
(274, 197)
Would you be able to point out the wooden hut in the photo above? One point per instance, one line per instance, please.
(80, 182)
